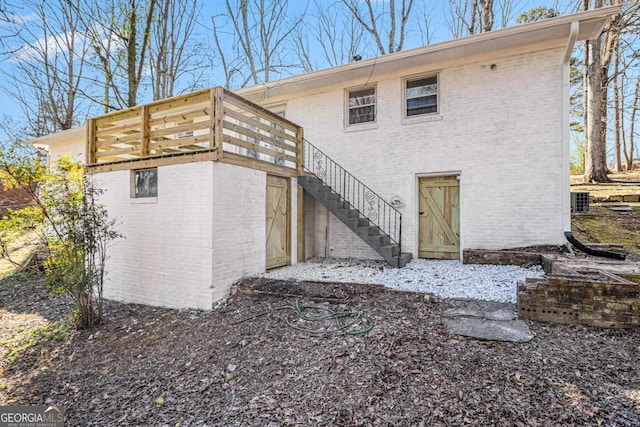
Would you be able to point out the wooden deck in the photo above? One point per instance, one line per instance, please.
(212, 124)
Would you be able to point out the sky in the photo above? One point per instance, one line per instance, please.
(438, 32)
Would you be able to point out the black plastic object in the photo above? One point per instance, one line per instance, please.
(604, 254)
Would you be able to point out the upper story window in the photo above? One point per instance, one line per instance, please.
(362, 106)
(421, 96)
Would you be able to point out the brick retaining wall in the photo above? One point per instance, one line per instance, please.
(523, 259)
(594, 298)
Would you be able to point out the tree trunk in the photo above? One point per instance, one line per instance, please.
(634, 110)
(132, 55)
(595, 165)
(595, 111)
(617, 111)
(487, 15)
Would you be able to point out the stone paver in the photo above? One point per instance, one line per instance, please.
(486, 320)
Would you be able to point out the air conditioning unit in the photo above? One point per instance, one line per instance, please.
(579, 202)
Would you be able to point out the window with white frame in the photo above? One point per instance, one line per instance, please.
(362, 106)
(145, 183)
(421, 95)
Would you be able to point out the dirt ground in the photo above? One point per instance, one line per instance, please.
(150, 366)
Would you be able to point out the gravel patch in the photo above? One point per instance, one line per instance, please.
(445, 279)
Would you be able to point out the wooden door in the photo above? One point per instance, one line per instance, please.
(277, 221)
(439, 210)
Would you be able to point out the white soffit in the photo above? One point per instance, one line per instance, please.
(69, 135)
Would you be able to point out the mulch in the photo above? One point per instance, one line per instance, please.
(155, 366)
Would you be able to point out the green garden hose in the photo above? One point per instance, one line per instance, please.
(346, 322)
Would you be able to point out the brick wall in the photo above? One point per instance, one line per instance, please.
(524, 259)
(166, 256)
(596, 299)
(500, 129)
(333, 239)
(185, 248)
(13, 198)
(239, 236)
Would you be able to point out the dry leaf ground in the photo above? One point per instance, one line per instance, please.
(151, 366)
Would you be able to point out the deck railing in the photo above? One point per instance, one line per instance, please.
(212, 124)
(360, 197)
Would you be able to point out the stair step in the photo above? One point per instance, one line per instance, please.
(346, 213)
(340, 207)
(368, 230)
(401, 261)
(355, 223)
(309, 182)
(378, 241)
(390, 250)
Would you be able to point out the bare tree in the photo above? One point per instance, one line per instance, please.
(230, 58)
(626, 84)
(629, 153)
(618, 109)
(120, 33)
(173, 54)
(507, 10)
(425, 24)
(468, 17)
(334, 33)
(259, 41)
(596, 158)
(49, 67)
(598, 56)
(8, 19)
(383, 21)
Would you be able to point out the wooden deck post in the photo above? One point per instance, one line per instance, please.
(217, 118)
(300, 226)
(300, 150)
(144, 131)
(90, 157)
(300, 192)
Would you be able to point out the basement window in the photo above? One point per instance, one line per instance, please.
(361, 106)
(145, 183)
(421, 96)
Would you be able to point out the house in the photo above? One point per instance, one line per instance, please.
(422, 153)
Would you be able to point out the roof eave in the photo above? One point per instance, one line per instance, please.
(591, 24)
(65, 135)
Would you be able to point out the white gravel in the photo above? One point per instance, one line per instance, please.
(445, 279)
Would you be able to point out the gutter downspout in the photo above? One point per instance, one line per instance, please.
(566, 109)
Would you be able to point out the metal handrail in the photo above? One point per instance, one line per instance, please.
(359, 196)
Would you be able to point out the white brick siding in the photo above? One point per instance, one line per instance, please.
(165, 257)
(205, 230)
(239, 238)
(500, 128)
(340, 241)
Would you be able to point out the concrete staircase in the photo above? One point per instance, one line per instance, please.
(371, 234)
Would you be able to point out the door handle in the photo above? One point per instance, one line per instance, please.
(421, 213)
